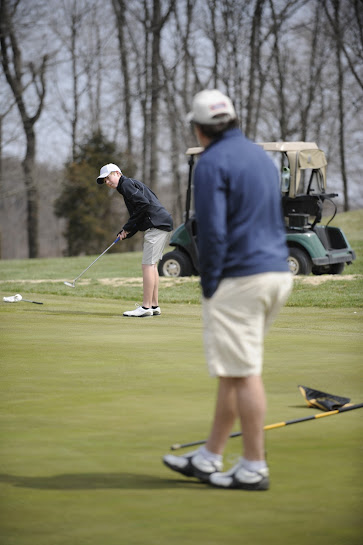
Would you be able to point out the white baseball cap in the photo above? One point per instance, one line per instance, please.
(211, 107)
(106, 170)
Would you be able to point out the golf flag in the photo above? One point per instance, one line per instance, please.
(322, 400)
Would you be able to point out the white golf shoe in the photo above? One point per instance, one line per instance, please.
(241, 478)
(139, 312)
(156, 311)
(193, 464)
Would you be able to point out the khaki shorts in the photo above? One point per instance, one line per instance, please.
(155, 241)
(236, 320)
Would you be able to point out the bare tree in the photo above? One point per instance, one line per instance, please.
(184, 25)
(120, 8)
(352, 50)
(173, 120)
(157, 23)
(144, 25)
(179, 77)
(16, 72)
(335, 20)
(297, 76)
(137, 32)
(254, 54)
(73, 14)
(5, 111)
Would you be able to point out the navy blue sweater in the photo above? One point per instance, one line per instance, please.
(238, 210)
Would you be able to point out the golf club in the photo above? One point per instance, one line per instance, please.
(16, 298)
(73, 284)
(278, 424)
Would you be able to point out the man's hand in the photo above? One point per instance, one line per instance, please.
(122, 234)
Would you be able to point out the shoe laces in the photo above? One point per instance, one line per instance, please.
(233, 469)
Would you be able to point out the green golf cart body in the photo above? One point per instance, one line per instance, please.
(315, 248)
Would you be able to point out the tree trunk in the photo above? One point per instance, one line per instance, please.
(254, 62)
(339, 40)
(32, 207)
(120, 7)
(14, 71)
(155, 86)
(157, 24)
(74, 83)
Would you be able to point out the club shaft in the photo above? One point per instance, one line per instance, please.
(278, 424)
(93, 262)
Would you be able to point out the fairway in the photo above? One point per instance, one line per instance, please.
(91, 401)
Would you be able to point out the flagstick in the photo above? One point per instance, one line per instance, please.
(343, 409)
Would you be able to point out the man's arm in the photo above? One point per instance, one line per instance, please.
(137, 204)
(211, 214)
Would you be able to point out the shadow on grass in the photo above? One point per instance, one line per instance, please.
(95, 481)
(49, 312)
(85, 313)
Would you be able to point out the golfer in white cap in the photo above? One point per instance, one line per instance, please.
(148, 215)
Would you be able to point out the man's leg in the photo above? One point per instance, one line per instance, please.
(207, 460)
(155, 297)
(243, 397)
(251, 471)
(149, 279)
(225, 415)
(149, 282)
(237, 396)
(251, 401)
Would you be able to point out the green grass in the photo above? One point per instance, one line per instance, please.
(90, 402)
(46, 276)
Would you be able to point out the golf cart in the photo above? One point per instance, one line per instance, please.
(315, 248)
(184, 261)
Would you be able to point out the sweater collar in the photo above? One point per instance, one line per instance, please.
(226, 135)
(120, 182)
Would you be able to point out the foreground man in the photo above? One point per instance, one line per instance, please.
(245, 281)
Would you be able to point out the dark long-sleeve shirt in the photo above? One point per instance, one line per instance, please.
(143, 206)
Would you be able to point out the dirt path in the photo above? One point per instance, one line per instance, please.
(169, 282)
(316, 280)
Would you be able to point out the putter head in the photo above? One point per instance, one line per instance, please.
(13, 298)
(70, 284)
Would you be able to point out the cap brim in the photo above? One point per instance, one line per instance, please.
(217, 120)
(101, 179)
(189, 117)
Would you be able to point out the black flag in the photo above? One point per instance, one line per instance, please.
(322, 400)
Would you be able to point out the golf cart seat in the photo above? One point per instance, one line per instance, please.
(299, 209)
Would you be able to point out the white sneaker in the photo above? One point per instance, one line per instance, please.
(193, 464)
(241, 478)
(156, 311)
(139, 312)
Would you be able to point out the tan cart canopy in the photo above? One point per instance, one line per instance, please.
(194, 151)
(301, 156)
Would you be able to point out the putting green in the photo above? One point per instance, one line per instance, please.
(90, 401)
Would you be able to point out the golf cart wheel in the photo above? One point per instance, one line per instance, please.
(175, 264)
(336, 268)
(299, 262)
(324, 269)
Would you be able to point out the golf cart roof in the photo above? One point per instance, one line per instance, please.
(287, 146)
(301, 156)
(194, 151)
